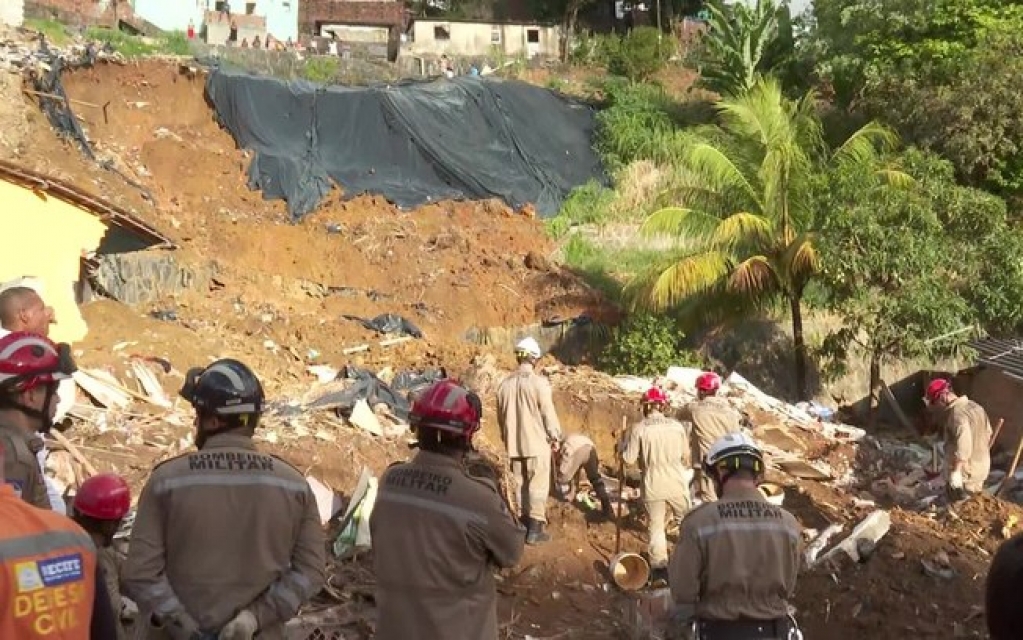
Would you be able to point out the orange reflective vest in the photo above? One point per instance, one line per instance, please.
(47, 573)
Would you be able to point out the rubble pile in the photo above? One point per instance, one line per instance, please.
(27, 51)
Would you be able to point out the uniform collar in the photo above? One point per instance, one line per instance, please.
(744, 494)
(229, 441)
(525, 367)
(17, 431)
(437, 459)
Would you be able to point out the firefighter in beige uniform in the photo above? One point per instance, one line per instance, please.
(227, 541)
(661, 446)
(712, 417)
(575, 453)
(967, 433)
(531, 432)
(440, 527)
(734, 568)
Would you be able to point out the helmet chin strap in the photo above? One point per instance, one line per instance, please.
(46, 422)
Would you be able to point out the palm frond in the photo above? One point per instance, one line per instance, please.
(679, 222)
(663, 288)
(754, 277)
(717, 170)
(801, 260)
(742, 228)
(865, 147)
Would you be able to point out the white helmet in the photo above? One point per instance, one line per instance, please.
(530, 347)
(738, 446)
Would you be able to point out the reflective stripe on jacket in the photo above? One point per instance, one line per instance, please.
(48, 576)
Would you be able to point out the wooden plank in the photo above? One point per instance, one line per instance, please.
(894, 404)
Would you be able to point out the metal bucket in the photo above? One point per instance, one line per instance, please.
(774, 493)
(629, 571)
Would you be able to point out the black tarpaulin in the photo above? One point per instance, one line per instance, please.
(463, 138)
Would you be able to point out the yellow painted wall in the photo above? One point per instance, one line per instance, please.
(45, 237)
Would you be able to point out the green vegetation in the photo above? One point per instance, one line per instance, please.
(173, 43)
(646, 345)
(54, 31)
(321, 69)
(780, 199)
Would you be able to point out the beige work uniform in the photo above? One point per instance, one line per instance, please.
(438, 534)
(575, 451)
(529, 424)
(736, 559)
(21, 467)
(661, 447)
(223, 529)
(967, 438)
(712, 418)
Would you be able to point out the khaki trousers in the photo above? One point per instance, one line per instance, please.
(532, 478)
(657, 510)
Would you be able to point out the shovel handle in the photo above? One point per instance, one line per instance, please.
(621, 488)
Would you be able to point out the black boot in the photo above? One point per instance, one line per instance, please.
(535, 533)
(605, 501)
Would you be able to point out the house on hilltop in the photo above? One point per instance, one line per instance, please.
(278, 18)
(355, 22)
(445, 36)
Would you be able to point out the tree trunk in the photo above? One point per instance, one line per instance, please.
(799, 346)
(875, 390)
(571, 16)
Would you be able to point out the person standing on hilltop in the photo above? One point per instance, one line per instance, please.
(531, 433)
(734, 568)
(967, 433)
(227, 540)
(441, 527)
(712, 417)
(661, 447)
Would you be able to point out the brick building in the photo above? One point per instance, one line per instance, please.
(81, 12)
(314, 14)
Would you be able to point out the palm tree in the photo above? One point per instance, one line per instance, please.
(739, 39)
(746, 214)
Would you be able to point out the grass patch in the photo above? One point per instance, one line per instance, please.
(321, 69)
(606, 269)
(54, 31)
(171, 43)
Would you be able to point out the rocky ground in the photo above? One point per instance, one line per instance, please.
(277, 301)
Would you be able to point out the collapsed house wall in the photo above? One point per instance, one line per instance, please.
(46, 237)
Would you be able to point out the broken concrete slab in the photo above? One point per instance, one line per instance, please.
(867, 534)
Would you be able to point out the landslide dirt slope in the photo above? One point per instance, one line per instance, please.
(447, 267)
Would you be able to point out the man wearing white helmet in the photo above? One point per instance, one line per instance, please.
(531, 432)
(734, 569)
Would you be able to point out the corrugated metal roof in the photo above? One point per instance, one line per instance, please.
(1004, 355)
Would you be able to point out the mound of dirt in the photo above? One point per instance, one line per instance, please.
(283, 288)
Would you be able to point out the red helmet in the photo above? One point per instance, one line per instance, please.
(654, 395)
(447, 406)
(936, 388)
(105, 497)
(708, 382)
(28, 360)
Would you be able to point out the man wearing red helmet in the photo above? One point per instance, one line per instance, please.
(661, 447)
(967, 433)
(99, 507)
(31, 368)
(440, 527)
(712, 417)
